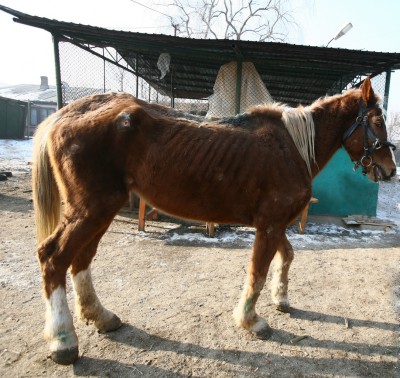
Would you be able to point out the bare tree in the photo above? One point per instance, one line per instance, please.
(393, 131)
(262, 20)
(393, 127)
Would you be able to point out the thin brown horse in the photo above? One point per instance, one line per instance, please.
(255, 169)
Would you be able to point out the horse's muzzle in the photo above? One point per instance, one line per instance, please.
(380, 174)
(393, 173)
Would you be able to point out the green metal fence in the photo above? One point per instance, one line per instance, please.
(85, 71)
(100, 70)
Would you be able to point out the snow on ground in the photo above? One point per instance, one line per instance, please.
(389, 199)
(15, 155)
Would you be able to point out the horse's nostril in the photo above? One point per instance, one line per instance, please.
(393, 173)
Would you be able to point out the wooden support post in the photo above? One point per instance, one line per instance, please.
(304, 214)
(210, 228)
(142, 214)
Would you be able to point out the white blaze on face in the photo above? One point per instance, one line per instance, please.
(393, 157)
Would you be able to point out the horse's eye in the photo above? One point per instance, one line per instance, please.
(379, 124)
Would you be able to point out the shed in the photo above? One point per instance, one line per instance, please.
(12, 118)
(87, 56)
(38, 101)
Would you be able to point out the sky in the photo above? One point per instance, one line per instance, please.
(27, 52)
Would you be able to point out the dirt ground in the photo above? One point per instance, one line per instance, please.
(176, 296)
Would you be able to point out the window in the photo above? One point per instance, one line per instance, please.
(34, 117)
(38, 115)
(42, 114)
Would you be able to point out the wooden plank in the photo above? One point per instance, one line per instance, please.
(142, 214)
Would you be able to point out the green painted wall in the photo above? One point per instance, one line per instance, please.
(12, 118)
(341, 191)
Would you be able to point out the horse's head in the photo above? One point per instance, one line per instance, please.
(366, 140)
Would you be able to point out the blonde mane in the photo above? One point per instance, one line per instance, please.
(300, 125)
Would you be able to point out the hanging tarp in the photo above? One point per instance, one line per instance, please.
(223, 103)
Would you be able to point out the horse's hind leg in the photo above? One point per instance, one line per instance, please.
(265, 246)
(279, 284)
(87, 304)
(56, 254)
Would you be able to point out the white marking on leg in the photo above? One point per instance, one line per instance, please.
(87, 304)
(59, 329)
(245, 314)
(86, 301)
(279, 284)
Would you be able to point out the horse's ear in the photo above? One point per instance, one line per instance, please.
(368, 94)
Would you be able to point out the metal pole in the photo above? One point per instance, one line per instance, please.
(387, 87)
(239, 66)
(58, 71)
(172, 91)
(137, 77)
(28, 117)
(238, 85)
(104, 73)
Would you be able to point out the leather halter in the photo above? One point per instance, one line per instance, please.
(362, 120)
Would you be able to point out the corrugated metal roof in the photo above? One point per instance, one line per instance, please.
(292, 73)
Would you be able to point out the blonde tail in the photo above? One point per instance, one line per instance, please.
(46, 196)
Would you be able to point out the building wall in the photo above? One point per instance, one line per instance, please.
(37, 113)
(12, 118)
(19, 119)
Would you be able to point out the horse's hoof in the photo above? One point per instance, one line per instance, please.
(110, 325)
(65, 356)
(261, 330)
(283, 308)
(263, 334)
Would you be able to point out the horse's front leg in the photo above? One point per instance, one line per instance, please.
(279, 284)
(265, 246)
(87, 305)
